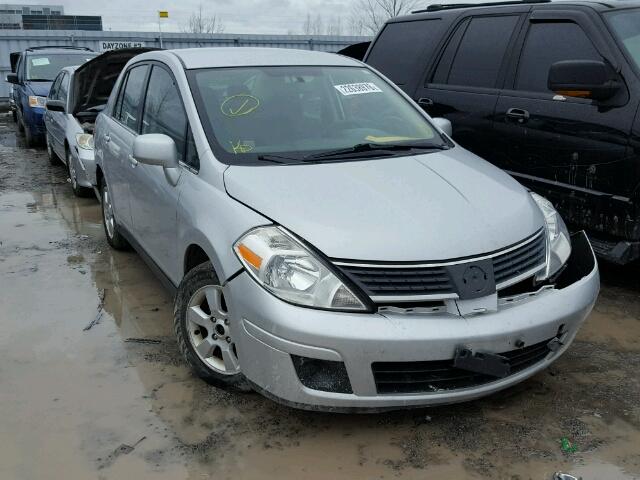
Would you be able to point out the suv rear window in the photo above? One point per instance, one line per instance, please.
(403, 46)
(480, 54)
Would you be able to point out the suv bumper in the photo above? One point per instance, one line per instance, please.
(268, 332)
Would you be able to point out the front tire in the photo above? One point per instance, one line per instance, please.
(201, 323)
(14, 115)
(78, 190)
(114, 238)
(53, 156)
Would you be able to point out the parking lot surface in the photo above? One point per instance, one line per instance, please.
(92, 385)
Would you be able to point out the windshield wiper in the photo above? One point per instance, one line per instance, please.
(375, 147)
(276, 158)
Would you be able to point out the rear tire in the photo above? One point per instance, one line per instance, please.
(114, 238)
(78, 190)
(201, 324)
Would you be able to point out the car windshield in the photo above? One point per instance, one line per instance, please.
(626, 25)
(293, 113)
(45, 67)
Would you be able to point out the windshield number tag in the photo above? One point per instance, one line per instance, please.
(38, 62)
(357, 88)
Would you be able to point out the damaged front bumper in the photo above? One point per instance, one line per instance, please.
(389, 360)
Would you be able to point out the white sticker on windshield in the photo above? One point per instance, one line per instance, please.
(38, 62)
(357, 88)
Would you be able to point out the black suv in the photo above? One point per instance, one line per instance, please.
(549, 91)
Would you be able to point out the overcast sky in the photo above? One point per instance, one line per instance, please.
(239, 16)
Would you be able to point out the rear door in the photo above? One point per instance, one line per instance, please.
(154, 199)
(575, 151)
(117, 142)
(464, 82)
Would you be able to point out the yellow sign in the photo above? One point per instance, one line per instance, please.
(163, 14)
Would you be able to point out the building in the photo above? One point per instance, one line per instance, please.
(44, 17)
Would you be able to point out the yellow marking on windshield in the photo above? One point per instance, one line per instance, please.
(241, 147)
(239, 105)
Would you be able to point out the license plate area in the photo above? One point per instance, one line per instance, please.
(484, 363)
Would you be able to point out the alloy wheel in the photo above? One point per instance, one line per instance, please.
(73, 176)
(208, 330)
(107, 211)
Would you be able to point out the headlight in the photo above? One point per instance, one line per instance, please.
(84, 141)
(37, 101)
(291, 272)
(558, 238)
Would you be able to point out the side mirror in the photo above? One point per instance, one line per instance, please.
(55, 106)
(12, 78)
(156, 149)
(583, 79)
(444, 125)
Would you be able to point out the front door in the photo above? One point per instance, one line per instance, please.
(574, 151)
(154, 198)
(117, 142)
(463, 86)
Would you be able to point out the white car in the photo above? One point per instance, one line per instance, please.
(77, 96)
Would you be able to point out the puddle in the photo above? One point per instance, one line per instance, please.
(72, 398)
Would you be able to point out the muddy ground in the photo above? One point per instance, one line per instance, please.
(116, 401)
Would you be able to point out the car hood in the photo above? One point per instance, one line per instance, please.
(40, 89)
(436, 206)
(94, 80)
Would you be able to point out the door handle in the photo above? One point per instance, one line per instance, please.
(132, 161)
(106, 137)
(518, 114)
(425, 102)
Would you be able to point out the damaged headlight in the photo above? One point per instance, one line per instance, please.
(84, 141)
(558, 238)
(291, 272)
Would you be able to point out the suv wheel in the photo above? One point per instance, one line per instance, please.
(78, 190)
(53, 156)
(115, 239)
(201, 323)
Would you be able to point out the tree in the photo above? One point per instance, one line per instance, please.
(368, 16)
(200, 23)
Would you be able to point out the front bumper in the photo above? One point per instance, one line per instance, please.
(268, 332)
(87, 171)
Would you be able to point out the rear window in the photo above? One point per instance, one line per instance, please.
(403, 47)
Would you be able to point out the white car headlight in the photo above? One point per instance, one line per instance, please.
(288, 270)
(558, 238)
(35, 101)
(84, 141)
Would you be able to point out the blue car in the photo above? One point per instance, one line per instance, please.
(33, 73)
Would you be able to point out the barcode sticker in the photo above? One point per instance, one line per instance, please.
(357, 88)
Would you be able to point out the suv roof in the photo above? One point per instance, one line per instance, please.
(600, 5)
(60, 48)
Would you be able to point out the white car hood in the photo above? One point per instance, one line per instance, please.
(437, 206)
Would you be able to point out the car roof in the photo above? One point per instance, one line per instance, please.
(66, 51)
(509, 5)
(194, 58)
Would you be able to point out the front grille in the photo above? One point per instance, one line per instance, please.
(439, 375)
(516, 262)
(385, 283)
(400, 282)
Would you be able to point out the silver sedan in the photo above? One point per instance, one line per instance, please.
(329, 244)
